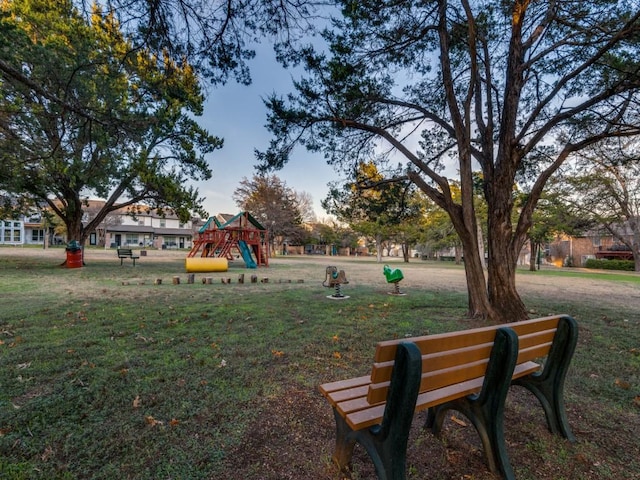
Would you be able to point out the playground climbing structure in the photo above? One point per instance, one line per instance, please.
(241, 234)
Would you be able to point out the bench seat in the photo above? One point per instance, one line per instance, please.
(351, 401)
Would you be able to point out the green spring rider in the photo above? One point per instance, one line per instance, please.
(393, 276)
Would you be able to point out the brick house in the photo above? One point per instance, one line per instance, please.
(595, 243)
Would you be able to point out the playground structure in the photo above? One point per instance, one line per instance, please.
(393, 276)
(241, 233)
(335, 279)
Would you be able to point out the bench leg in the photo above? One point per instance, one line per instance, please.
(548, 385)
(386, 444)
(121, 260)
(134, 261)
(345, 442)
(486, 409)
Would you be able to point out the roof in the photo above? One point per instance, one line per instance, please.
(231, 221)
(148, 229)
(238, 219)
(130, 228)
(173, 231)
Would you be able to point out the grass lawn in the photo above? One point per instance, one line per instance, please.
(108, 376)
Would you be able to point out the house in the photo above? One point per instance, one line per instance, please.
(12, 232)
(138, 226)
(596, 243)
(141, 226)
(27, 230)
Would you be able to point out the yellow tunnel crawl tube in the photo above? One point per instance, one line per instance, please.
(206, 264)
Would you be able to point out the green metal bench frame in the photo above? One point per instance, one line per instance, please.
(386, 443)
(127, 253)
(509, 363)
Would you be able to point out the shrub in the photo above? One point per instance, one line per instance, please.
(627, 265)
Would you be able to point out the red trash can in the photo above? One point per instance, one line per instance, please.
(74, 255)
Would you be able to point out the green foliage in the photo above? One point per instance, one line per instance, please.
(88, 114)
(625, 265)
(464, 86)
(375, 206)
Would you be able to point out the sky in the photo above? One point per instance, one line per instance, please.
(237, 114)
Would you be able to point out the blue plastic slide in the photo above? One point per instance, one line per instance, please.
(246, 254)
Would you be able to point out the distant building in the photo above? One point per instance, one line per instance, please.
(595, 243)
(26, 230)
(12, 232)
(146, 228)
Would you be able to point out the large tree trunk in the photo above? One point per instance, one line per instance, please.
(501, 280)
(479, 305)
(75, 231)
(635, 242)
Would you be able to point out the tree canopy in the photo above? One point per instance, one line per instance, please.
(215, 37)
(125, 130)
(276, 206)
(511, 88)
(371, 206)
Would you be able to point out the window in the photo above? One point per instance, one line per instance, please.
(37, 235)
(131, 239)
(11, 232)
(163, 222)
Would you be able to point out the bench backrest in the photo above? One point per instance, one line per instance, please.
(125, 251)
(455, 357)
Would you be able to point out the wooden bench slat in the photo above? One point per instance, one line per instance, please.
(529, 339)
(435, 380)
(358, 416)
(526, 368)
(348, 394)
(359, 413)
(386, 350)
(381, 372)
(327, 388)
(534, 325)
(531, 353)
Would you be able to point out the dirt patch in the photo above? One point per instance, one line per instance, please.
(294, 439)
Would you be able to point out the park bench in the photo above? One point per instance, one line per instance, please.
(469, 371)
(127, 253)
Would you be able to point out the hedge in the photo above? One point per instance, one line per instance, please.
(627, 265)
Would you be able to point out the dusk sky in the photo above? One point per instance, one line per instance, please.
(237, 114)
